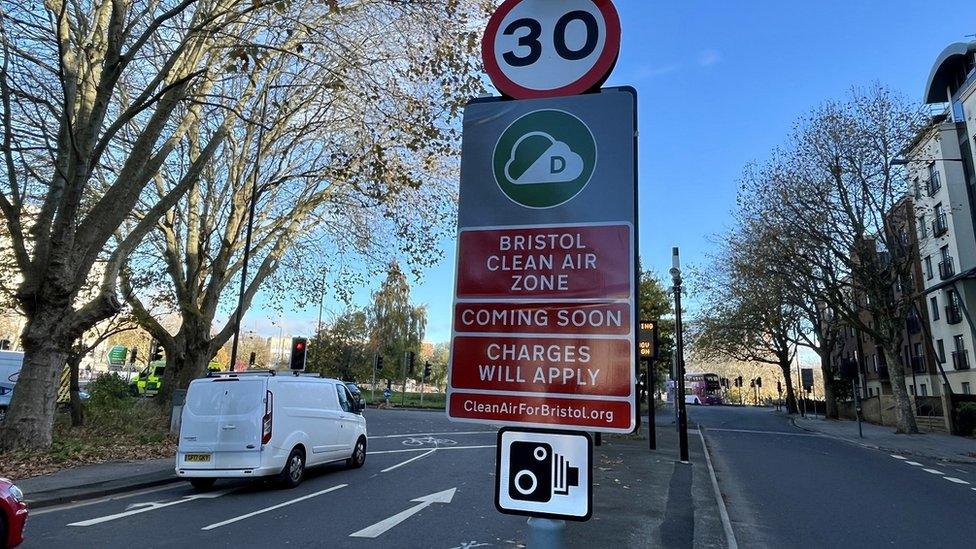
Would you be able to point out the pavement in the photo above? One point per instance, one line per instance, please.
(788, 487)
(929, 445)
(641, 498)
(93, 481)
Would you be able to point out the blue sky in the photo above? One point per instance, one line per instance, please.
(720, 84)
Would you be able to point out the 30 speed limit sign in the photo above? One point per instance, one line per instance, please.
(549, 48)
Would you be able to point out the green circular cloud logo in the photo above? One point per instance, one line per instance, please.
(544, 159)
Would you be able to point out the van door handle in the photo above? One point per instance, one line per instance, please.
(229, 427)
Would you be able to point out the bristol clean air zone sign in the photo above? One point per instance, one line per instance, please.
(544, 312)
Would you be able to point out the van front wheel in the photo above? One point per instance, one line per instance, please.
(202, 484)
(294, 471)
(358, 458)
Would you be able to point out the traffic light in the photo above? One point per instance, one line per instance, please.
(779, 387)
(4, 344)
(411, 358)
(299, 351)
(252, 360)
(738, 381)
(752, 383)
(134, 351)
(426, 370)
(758, 382)
(379, 363)
(155, 351)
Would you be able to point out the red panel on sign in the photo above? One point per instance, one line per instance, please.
(543, 318)
(554, 262)
(543, 365)
(595, 414)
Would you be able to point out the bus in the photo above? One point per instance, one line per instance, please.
(703, 389)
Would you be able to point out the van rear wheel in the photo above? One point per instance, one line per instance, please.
(294, 470)
(358, 458)
(202, 484)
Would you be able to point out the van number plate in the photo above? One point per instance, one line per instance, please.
(197, 457)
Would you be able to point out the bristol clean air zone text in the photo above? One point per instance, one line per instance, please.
(542, 327)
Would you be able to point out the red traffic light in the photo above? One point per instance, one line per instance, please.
(299, 346)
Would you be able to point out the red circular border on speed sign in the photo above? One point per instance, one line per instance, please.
(541, 48)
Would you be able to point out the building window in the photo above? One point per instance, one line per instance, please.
(935, 308)
(928, 267)
(959, 342)
(874, 362)
(940, 349)
(917, 188)
(923, 389)
(911, 389)
(923, 230)
(967, 389)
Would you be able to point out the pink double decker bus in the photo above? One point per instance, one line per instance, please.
(703, 389)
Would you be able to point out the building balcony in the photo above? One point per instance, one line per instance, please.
(953, 314)
(918, 364)
(960, 359)
(940, 226)
(946, 269)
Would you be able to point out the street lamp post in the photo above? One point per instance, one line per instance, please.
(247, 238)
(680, 359)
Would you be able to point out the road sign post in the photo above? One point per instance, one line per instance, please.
(545, 292)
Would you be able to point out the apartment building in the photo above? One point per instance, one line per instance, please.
(941, 174)
(917, 358)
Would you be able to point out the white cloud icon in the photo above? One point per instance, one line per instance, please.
(557, 164)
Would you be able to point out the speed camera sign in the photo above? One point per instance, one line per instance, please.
(549, 48)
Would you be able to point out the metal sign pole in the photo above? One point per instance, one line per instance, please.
(546, 534)
(372, 396)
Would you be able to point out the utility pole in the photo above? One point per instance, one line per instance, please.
(247, 238)
(680, 360)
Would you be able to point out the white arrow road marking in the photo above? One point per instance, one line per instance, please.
(382, 526)
(150, 506)
(272, 508)
(415, 458)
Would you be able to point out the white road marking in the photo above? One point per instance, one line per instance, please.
(151, 506)
(897, 456)
(956, 480)
(934, 471)
(384, 525)
(414, 435)
(415, 458)
(406, 450)
(915, 463)
(722, 511)
(76, 505)
(272, 508)
(784, 433)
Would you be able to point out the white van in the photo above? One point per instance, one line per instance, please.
(10, 363)
(259, 424)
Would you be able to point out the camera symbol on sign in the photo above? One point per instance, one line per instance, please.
(536, 473)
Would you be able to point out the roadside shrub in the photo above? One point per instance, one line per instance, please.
(966, 418)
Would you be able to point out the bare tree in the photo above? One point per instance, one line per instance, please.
(96, 95)
(346, 141)
(836, 191)
(745, 316)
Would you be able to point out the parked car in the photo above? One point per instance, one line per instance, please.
(13, 514)
(6, 391)
(259, 424)
(357, 395)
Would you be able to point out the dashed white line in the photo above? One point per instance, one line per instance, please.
(915, 463)
(897, 456)
(934, 471)
(956, 480)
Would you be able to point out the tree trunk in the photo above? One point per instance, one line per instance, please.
(30, 418)
(77, 408)
(791, 406)
(903, 404)
(830, 397)
(190, 363)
